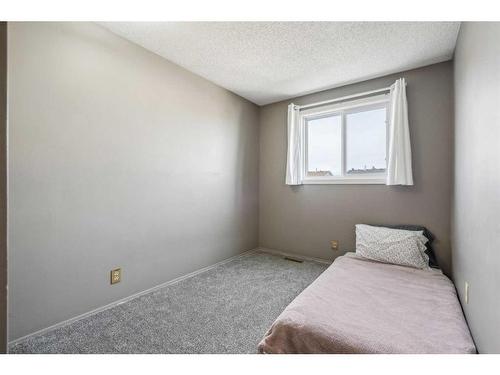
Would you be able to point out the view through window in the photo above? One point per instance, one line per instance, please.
(347, 144)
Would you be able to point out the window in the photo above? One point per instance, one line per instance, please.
(346, 142)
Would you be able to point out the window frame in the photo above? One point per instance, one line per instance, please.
(342, 109)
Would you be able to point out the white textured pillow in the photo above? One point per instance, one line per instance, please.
(396, 246)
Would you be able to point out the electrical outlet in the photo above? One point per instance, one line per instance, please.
(334, 244)
(116, 276)
(466, 294)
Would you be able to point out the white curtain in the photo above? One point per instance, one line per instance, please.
(293, 159)
(399, 170)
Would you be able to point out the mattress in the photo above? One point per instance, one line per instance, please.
(362, 306)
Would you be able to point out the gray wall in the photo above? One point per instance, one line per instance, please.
(304, 219)
(3, 186)
(476, 204)
(118, 158)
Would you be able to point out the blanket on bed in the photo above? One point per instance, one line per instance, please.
(363, 306)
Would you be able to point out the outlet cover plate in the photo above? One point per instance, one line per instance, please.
(116, 275)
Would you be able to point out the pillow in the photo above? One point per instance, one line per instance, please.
(429, 251)
(396, 246)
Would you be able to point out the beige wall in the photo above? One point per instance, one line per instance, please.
(3, 186)
(304, 219)
(118, 158)
(476, 204)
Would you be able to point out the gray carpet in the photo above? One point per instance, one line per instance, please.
(227, 309)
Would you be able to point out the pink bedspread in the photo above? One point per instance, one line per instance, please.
(362, 306)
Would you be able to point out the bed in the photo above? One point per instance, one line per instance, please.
(364, 306)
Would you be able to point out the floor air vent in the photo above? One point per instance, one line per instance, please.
(294, 260)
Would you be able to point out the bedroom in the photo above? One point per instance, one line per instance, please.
(246, 195)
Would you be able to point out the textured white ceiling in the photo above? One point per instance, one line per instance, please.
(270, 61)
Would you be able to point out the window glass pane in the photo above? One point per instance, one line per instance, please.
(324, 147)
(366, 142)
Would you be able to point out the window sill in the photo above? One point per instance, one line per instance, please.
(344, 181)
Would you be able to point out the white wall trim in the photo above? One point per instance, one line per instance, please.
(292, 255)
(129, 298)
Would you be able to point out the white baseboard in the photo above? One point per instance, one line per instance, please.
(133, 296)
(293, 255)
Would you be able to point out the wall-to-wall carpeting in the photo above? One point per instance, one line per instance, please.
(227, 309)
